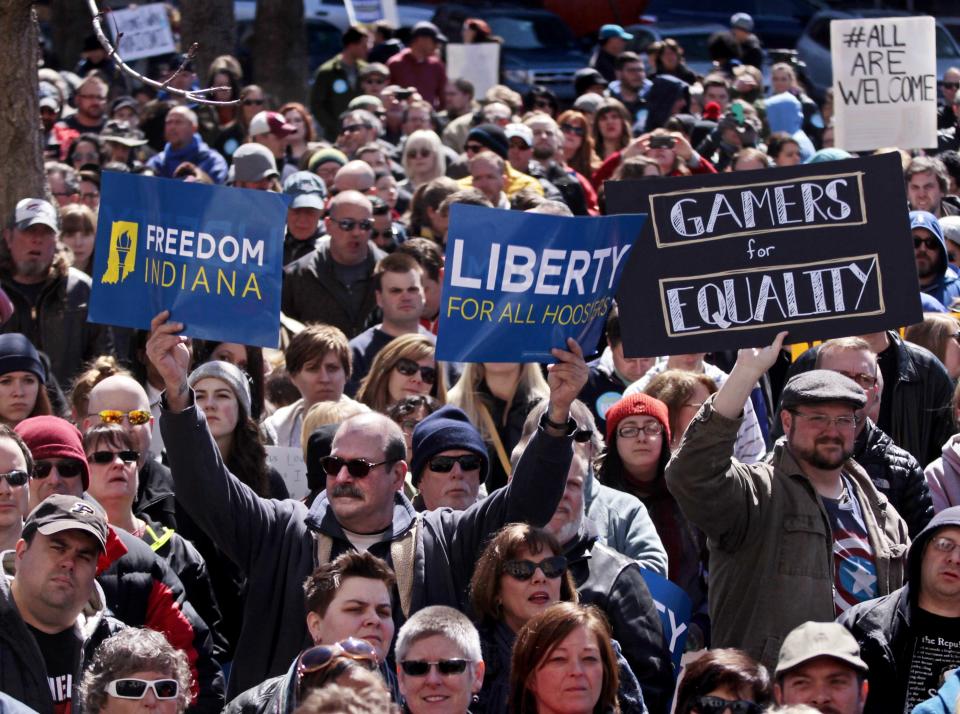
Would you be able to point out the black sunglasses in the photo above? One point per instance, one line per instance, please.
(253, 102)
(348, 224)
(551, 567)
(385, 233)
(571, 129)
(68, 468)
(951, 85)
(444, 464)
(358, 468)
(716, 705)
(127, 456)
(930, 243)
(408, 368)
(446, 667)
(16, 478)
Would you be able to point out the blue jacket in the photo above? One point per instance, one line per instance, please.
(196, 152)
(944, 701)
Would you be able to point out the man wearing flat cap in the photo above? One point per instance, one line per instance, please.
(799, 538)
(820, 666)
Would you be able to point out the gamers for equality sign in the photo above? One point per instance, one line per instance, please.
(728, 260)
(212, 255)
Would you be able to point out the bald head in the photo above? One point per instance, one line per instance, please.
(123, 394)
(355, 176)
(373, 424)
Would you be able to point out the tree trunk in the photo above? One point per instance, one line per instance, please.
(280, 49)
(209, 23)
(21, 170)
(70, 24)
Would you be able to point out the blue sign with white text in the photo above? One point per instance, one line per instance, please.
(675, 610)
(518, 284)
(212, 255)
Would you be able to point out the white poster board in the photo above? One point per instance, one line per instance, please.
(478, 63)
(288, 461)
(145, 31)
(368, 11)
(884, 83)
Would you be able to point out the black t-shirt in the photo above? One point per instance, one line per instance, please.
(934, 653)
(61, 655)
(31, 291)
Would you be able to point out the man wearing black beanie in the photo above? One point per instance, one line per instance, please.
(491, 137)
(449, 461)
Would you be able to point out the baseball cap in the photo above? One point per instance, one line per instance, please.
(125, 101)
(375, 68)
(49, 96)
(34, 211)
(521, 131)
(368, 102)
(742, 21)
(819, 639)
(59, 513)
(307, 190)
(608, 31)
(427, 29)
(270, 123)
(253, 162)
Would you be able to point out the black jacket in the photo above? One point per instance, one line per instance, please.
(274, 542)
(155, 499)
(896, 474)
(613, 583)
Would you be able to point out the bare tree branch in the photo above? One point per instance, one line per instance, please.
(193, 96)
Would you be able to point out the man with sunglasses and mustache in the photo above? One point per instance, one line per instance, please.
(278, 543)
(334, 283)
(936, 276)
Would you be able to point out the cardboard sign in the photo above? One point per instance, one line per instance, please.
(884, 82)
(728, 260)
(477, 62)
(145, 31)
(675, 611)
(368, 11)
(518, 284)
(288, 461)
(212, 255)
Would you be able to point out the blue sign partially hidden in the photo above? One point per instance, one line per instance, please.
(211, 255)
(517, 284)
(675, 611)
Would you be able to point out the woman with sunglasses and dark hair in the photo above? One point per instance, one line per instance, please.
(404, 368)
(409, 412)
(611, 128)
(136, 670)
(520, 574)
(724, 681)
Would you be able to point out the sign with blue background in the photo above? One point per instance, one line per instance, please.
(212, 255)
(675, 610)
(518, 284)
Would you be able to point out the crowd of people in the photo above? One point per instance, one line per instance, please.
(476, 537)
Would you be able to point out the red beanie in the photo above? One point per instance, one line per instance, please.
(50, 437)
(637, 404)
(711, 111)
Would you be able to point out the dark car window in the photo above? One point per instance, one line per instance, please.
(531, 33)
(946, 47)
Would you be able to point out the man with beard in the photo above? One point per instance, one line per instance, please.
(801, 537)
(936, 276)
(547, 162)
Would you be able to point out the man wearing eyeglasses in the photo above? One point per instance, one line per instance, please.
(803, 536)
(936, 276)
(947, 106)
(894, 471)
(334, 284)
(910, 638)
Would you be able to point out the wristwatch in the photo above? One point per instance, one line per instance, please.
(570, 426)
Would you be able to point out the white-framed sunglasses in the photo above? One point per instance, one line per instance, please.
(134, 688)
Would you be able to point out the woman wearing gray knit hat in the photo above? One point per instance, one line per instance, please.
(223, 393)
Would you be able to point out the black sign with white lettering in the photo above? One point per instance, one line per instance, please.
(727, 260)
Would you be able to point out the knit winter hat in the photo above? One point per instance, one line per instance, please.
(491, 136)
(633, 405)
(325, 155)
(447, 428)
(17, 354)
(226, 372)
(319, 444)
(50, 437)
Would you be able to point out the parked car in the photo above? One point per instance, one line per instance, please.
(323, 42)
(538, 47)
(813, 47)
(334, 12)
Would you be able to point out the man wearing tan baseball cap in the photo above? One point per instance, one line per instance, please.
(819, 665)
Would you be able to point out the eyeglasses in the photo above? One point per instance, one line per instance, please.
(358, 468)
(127, 456)
(419, 154)
(866, 381)
(86, 155)
(67, 468)
(320, 657)
(348, 224)
(99, 98)
(582, 435)
(133, 688)
(446, 667)
(408, 368)
(944, 545)
(473, 148)
(552, 567)
(928, 243)
(519, 144)
(373, 80)
(543, 104)
(654, 428)
(571, 129)
(444, 464)
(717, 705)
(114, 416)
(15, 478)
(253, 102)
(385, 233)
(89, 196)
(821, 421)
(950, 85)
(351, 128)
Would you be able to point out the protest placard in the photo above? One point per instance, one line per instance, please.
(477, 62)
(728, 260)
(288, 462)
(675, 610)
(884, 82)
(144, 31)
(212, 255)
(517, 284)
(368, 11)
